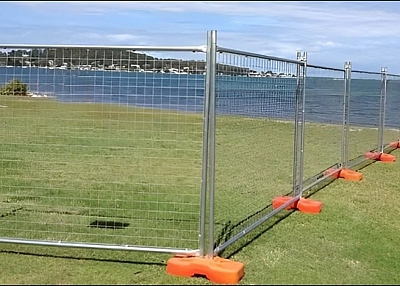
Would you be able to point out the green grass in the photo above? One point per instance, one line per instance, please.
(65, 165)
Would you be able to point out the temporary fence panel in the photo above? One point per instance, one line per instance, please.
(255, 106)
(324, 121)
(392, 115)
(364, 114)
(141, 148)
(106, 149)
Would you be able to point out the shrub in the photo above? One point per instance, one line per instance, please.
(14, 87)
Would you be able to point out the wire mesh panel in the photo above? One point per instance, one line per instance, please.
(324, 119)
(101, 146)
(364, 110)
(255, 102)
(392, 116)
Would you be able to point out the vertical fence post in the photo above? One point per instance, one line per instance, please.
(298, 156)
(346, 114)
(382, 109)
(210, 78)
(204, 175)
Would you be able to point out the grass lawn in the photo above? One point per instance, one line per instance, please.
(65, 165)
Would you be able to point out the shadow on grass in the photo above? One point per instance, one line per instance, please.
(229, 230)
(238, 246)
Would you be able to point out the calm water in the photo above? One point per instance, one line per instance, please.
(264, 97)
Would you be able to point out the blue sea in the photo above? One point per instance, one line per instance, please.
(247, 96)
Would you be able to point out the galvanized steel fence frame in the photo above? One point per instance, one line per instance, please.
(206, 110)
(206, 237)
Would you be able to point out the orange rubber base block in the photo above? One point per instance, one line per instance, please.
(218, 270)
(350, 175)
(387, 158)
(333, 173)
(309, 206)
(303, 205)
(395, 144)
(278, 201)
(383, 157)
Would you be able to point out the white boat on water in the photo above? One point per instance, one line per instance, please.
(254, 74)
(177, 71)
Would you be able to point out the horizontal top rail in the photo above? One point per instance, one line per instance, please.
(366, 72)
(248, 54)
(355, 71)
(132, 48)
(325, 68)
(394, 75)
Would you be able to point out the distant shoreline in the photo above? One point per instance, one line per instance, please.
(183, 71)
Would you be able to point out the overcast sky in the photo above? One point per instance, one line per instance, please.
(331, 32)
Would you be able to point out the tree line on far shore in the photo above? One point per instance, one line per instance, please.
(107, 59)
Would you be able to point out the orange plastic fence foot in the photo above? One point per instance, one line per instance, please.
(387, 158)
(332, 172)
(350, 175)
(309, 206)
(372, 155)
(395, 144)
(278, 201)
(217, 270)
(378, 156)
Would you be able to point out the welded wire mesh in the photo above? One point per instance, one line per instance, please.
(364, 112)
(392, 115)
(255, 102)
(324, 119)
(106, 146)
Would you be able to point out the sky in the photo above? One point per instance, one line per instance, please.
(366, 33)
